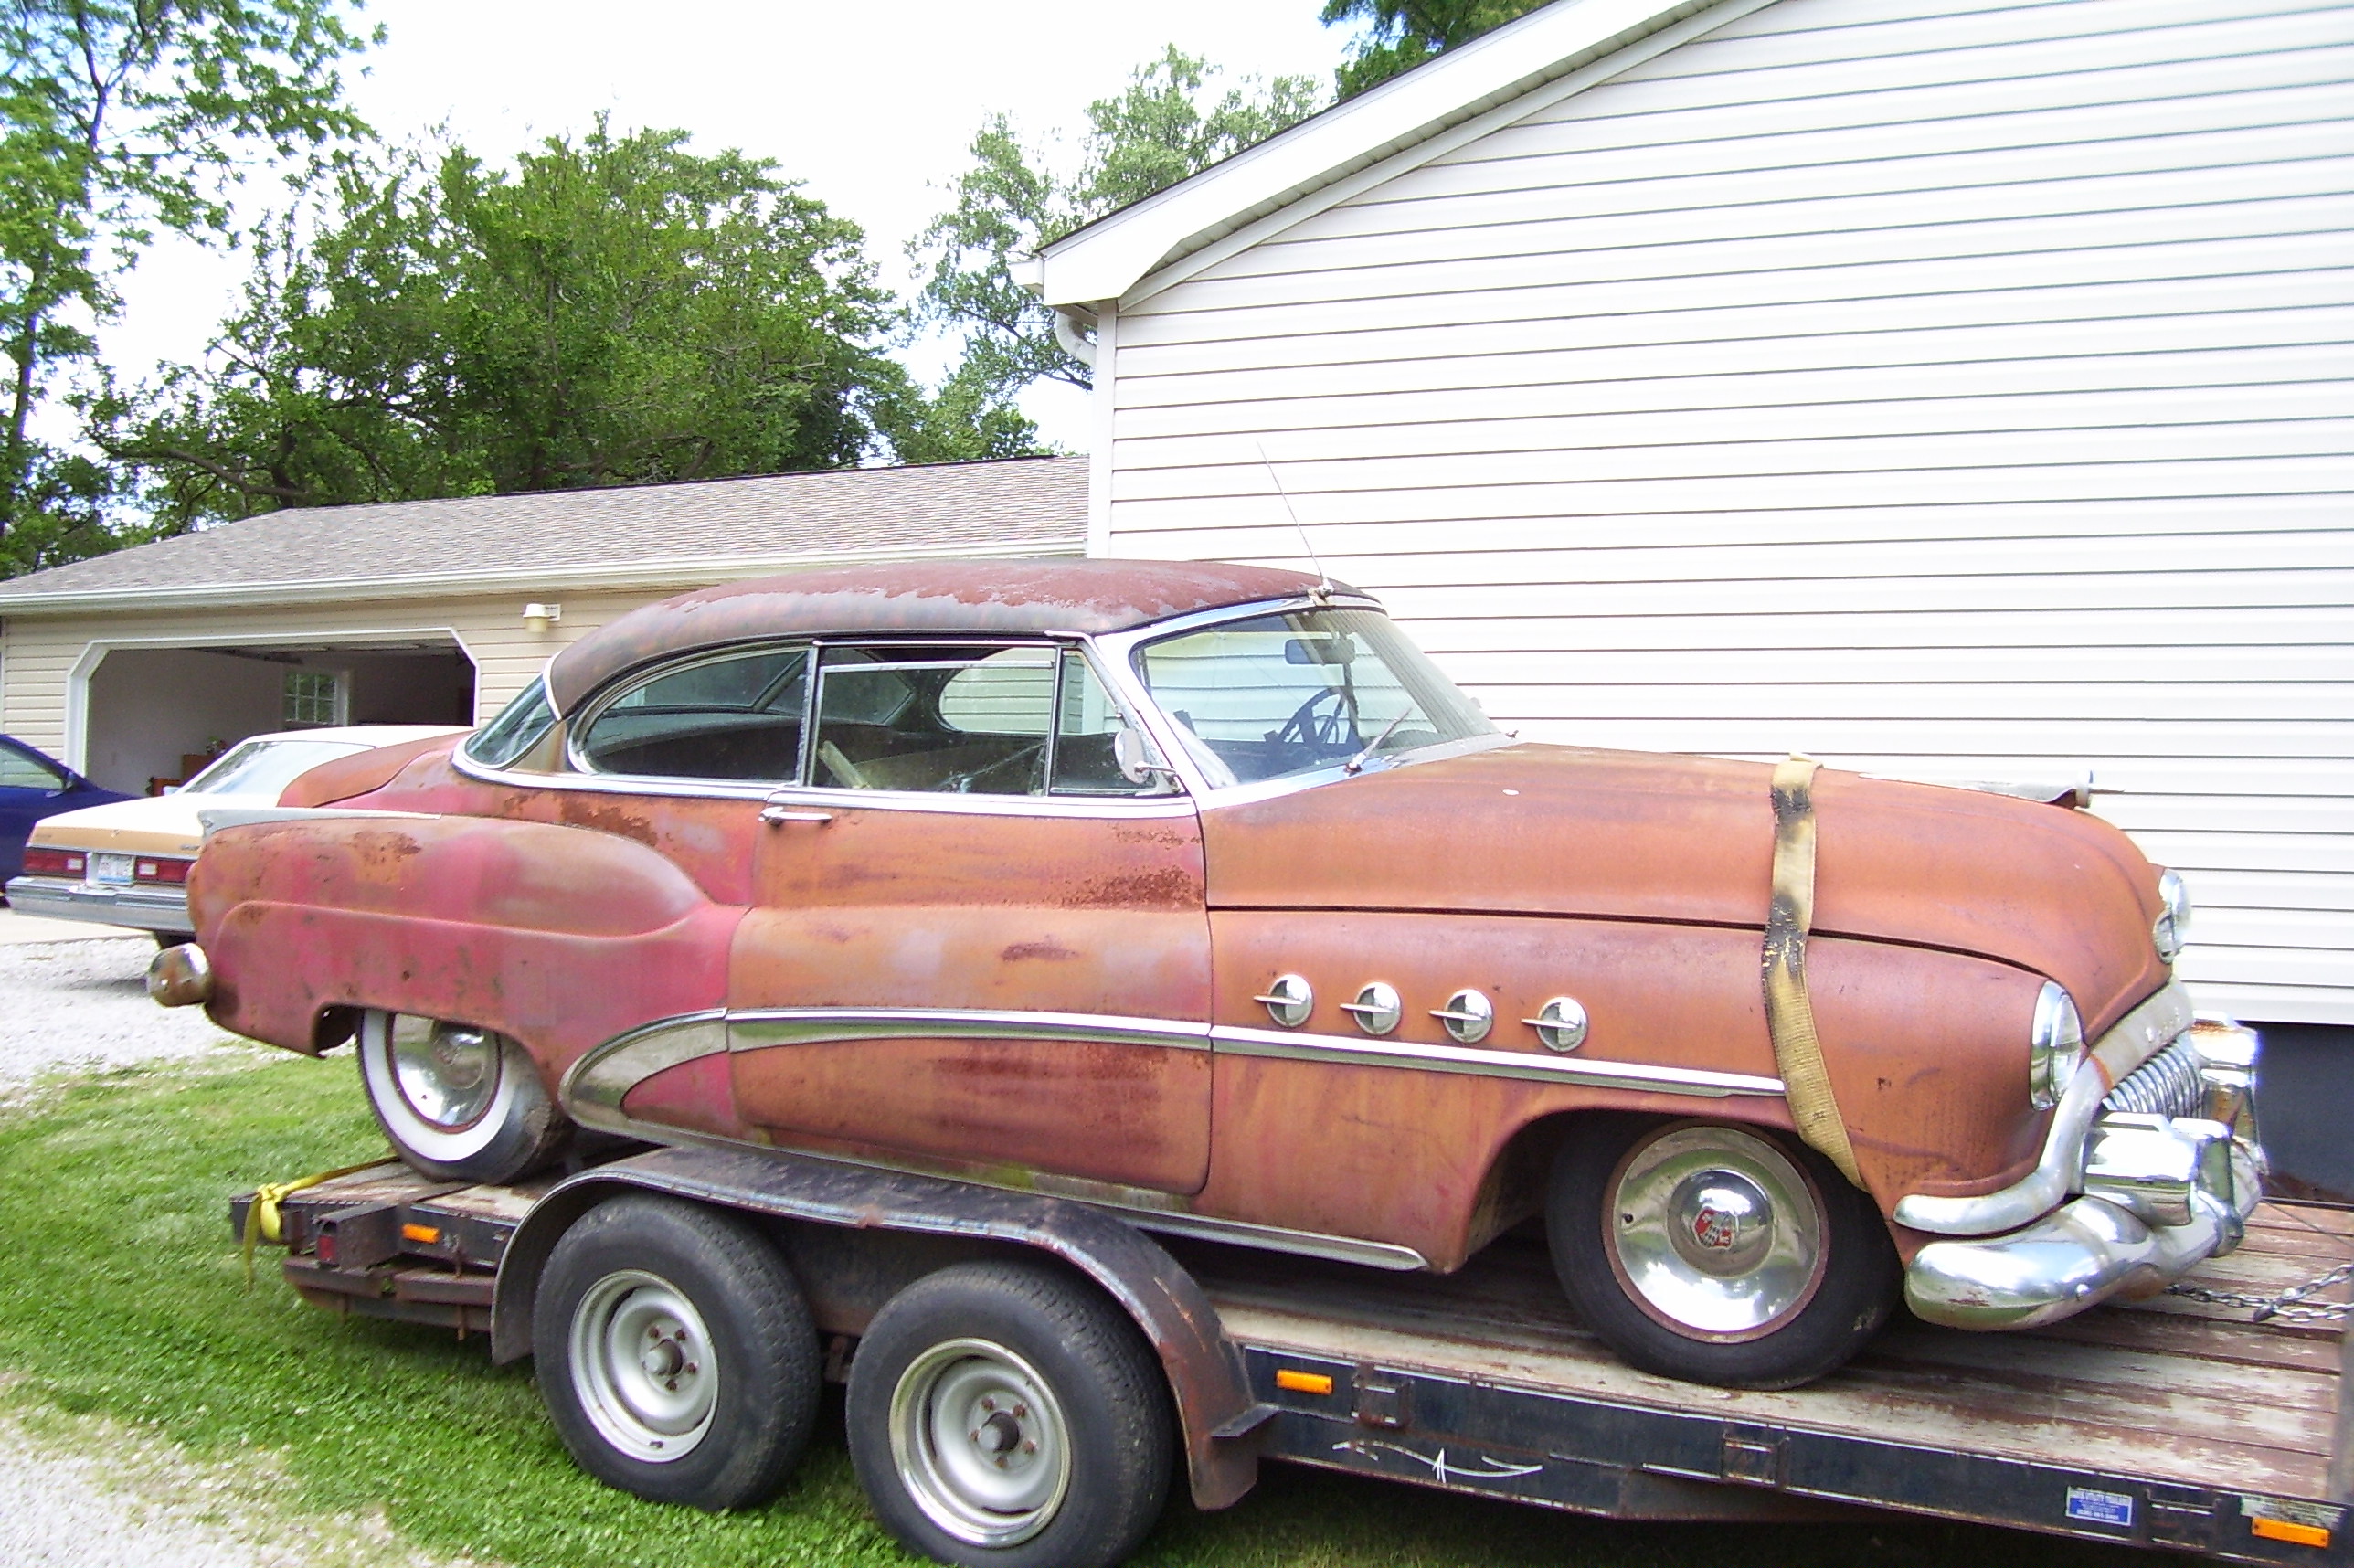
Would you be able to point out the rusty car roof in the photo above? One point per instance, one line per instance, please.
(994, 597)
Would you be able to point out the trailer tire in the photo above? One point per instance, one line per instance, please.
(458, 1103)
(1716, 1253)
(1003, 1416)
(675, 1353)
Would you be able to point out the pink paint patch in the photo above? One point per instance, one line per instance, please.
(698, 1095)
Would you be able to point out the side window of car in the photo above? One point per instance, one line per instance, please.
(520, 726)
(1086, 736)
(732, 716)
(934, 718)
(18, 771)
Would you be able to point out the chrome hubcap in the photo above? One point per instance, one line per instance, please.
(643, 1365)
(1716, 1233)
(979, 1442)
(447, 1073)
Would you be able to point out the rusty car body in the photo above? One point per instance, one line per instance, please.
(1194, 893)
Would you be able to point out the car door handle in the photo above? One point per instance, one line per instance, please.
(774, 813)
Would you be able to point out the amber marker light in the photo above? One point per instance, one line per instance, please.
(1302, 1382)
(428, 1235)
(2275, 1530)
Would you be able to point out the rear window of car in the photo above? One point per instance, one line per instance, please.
(520, 725)
(734, 717)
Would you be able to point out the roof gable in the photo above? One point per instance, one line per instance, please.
(1566, 45)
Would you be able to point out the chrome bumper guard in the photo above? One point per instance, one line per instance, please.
(2160, 1193)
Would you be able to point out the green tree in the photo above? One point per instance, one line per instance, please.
(118, 119)
(1399, 35)
(1171, 122)
(614, 309)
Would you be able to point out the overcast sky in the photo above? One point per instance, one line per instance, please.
(872, 105)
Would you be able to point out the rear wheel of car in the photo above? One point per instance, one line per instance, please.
(675, 1353)
(460, 1103)
(1717, 1253)
(1003, 1416)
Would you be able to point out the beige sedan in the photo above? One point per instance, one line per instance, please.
(126, 864)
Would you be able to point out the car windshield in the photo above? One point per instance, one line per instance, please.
(266, 766)
(1274, 695)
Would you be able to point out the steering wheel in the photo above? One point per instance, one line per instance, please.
(1318, 730)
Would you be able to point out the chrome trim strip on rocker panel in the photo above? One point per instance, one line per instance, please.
(760, 1028)
(1359, 1051)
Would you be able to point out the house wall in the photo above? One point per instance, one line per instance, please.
(44, 658)
(1942, 388)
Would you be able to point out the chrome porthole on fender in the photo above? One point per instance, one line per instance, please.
(1560, 1024)
(1468, 1016)
(1288, 1000)
(1377, 1009)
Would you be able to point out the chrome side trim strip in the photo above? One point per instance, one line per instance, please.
(1367, 1053)
(758, 1029)
(595, 1085)
(2131, 1040)
(1269, 1238)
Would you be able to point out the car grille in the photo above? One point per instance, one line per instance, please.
(2168, 1084)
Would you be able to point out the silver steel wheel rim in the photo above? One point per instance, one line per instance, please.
(1716, 1233)
(449, 1076)
(643, 1366)
(981, 1442)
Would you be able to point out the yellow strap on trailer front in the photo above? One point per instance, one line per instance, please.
(262, 1217)
(1789, 1013)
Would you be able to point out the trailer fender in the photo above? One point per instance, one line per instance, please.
(1218, 1418)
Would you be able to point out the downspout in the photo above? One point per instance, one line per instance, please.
(1069, 336)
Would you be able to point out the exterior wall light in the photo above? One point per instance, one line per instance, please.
(540, 617)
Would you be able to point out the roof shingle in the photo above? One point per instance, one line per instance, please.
(1001, 506)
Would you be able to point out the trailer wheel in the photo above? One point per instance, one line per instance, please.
(460, 1103)
(675, 1353)
(1717, 1253)
(1003, 1416)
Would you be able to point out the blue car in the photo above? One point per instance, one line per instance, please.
(32, 786)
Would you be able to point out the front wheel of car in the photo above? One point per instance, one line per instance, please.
(1716, 1253)
(1005, 1415)
(459, 1103)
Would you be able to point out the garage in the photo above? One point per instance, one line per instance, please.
(154, 715)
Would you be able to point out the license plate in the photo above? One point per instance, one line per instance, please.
(110, 868)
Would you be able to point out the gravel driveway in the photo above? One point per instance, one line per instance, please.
(107, 1496)
(83, 1004)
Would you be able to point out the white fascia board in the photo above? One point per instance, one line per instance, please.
(666, 576)
(1104, 259)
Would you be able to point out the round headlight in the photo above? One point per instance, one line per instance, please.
(2055, 1046)
(2166, 934)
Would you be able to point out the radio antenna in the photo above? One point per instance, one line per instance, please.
(1322, 592)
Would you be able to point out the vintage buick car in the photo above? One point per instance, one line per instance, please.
(1197, 892)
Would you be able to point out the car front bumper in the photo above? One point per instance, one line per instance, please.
(164, 909)
(2160, 1192)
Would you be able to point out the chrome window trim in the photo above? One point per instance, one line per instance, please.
(1117, 667)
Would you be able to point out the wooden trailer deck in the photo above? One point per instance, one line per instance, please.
(2170, 1421)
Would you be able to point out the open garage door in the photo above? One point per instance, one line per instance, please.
(157, 712)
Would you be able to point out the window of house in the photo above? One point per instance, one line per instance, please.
(314, 697)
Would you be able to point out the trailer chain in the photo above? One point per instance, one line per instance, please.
(2290, 1304)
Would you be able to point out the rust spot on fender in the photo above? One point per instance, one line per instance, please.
(377, 853)
(604, 818)
(1049, 949)
(1160, 887)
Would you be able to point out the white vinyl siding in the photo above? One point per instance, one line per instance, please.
(1947, 389)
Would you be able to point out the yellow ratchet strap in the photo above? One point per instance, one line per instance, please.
(1789, 1014)
(261, 1218)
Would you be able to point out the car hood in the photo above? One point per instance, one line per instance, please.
(156, 824)
(1617, 836)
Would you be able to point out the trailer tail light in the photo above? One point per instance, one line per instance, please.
(1299, 1382)
(426, 1234)
(53, 862)
(2289, 1531)
(172, 873)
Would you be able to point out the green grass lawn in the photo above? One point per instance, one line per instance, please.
(128, 1303)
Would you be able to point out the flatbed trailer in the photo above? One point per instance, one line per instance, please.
(2171, 1423)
